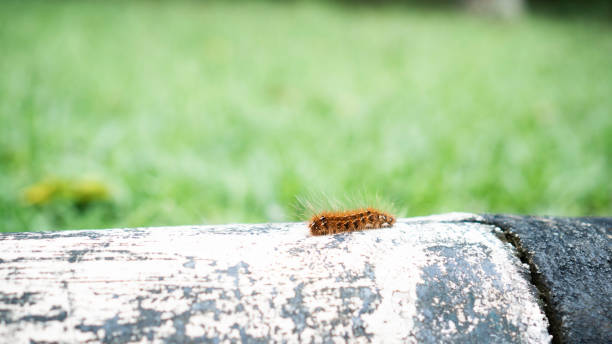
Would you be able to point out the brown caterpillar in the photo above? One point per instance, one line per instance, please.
(332, 222)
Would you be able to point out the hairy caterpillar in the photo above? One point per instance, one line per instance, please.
(332, 222)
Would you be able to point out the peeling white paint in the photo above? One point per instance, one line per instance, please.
(273, 282)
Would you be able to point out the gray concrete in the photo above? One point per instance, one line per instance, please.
(448, 278)
(571, 263)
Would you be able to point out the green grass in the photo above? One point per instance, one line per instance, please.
(189, 112)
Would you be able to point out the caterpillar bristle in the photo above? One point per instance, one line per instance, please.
(333, 222)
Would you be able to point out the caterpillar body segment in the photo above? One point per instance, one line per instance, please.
(329, 222)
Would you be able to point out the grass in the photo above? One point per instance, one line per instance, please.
(217, 112)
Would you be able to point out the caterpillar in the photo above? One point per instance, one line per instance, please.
(330, 222)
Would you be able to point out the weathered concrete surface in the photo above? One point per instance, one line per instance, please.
(434, 279)
(571, 263)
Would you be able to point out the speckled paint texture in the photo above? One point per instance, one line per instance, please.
(426, 280)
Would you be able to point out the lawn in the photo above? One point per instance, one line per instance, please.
(162, 113)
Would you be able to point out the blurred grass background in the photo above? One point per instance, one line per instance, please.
(162, 113)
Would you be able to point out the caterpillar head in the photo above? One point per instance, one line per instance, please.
(317, 223)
